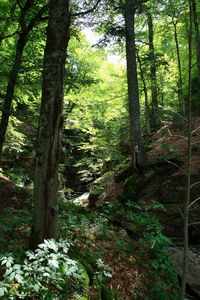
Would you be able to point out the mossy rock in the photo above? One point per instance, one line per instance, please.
(106, 293)
(85, 282)
(88, 269)
(94, 196)
(132, 187)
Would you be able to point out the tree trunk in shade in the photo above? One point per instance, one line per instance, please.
(155, 118)
(137, 144)
(45, 218)
(197, 35)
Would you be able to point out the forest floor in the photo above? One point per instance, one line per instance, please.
(131, 261)
(117, 249)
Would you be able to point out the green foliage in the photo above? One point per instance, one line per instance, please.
(148, 230)
(89, 168)
(103, 272)
(43, 273)
(14, 227)
(15, 140)
(161, 269)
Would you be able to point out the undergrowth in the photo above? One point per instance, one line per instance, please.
(75, 266)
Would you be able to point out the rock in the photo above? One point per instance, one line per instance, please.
(173, 189)
(123, 233)
(132, 187)
(82, 200)
(193, 275)
(95, 195)
(132, 230)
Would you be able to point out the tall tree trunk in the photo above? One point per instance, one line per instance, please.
(197, 35)
(137, 143)
(154, 93)
(147, 110)
(180, 82)
(21, 43)
(45, 219)
(188, 184)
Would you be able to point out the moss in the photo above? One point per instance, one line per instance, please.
(88, 269)
(94, 196)
(106, 293)
(132, 186)
(85, 282)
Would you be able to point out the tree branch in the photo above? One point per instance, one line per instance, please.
(196, 183)
(194, 223)
(87, 11)
(193, 202)
(8, 35)
(37, 18)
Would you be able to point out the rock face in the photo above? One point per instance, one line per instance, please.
(82, 200)
(193, 275)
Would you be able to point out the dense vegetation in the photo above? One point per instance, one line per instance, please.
(103, 119)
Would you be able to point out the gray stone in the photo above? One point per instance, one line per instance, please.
(193, 274)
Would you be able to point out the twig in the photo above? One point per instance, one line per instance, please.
(87, 11)
(176, 135)
(194, 184)
(170, 162)
(181, 213)
(193, 202)
(194, 162)
(195, 130)
(194, 223)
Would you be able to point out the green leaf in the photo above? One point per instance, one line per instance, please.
(3, 291)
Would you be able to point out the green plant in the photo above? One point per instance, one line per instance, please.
(103, 272)
(44, 273)
(14, 227)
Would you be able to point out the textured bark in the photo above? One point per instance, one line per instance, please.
(147, 110)
(189, 162)
(197, 36)
(180, 82)
(138, 151)
(21, 43)
(45, 220)
(155, 119)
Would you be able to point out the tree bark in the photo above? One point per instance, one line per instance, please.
(188, 183)
(180, 82)
(45, 219)
(156, 122)
(197, 36)
(137, 143)
(147, 110)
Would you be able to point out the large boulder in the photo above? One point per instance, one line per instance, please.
(193, 274)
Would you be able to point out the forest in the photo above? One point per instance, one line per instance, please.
(100, 149)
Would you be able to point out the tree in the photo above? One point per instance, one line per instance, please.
(147, 108)
(137, 144)
(25, 29)
(197, 35)
(155, 118)
(189, 162)
(45, 220)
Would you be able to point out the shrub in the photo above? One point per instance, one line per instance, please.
(46, 273)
